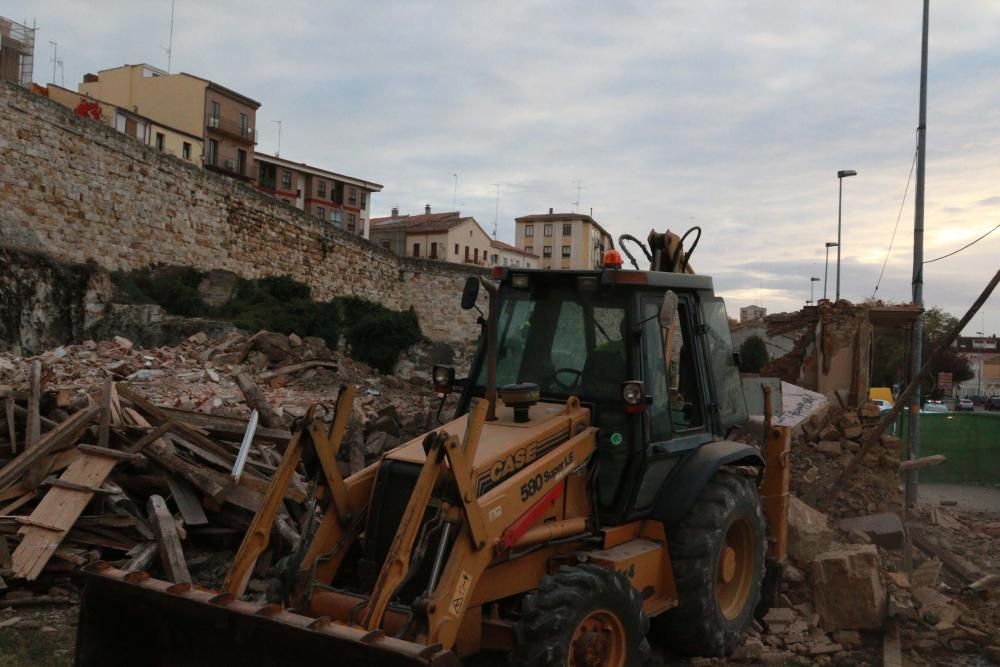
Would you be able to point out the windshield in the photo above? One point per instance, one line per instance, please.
(568, 342)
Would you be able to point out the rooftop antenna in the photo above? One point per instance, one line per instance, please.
(62, 73)
(55, 58)
(454, 194)
(576, 204)
(277, 153)
(170, 42)
(496, 211)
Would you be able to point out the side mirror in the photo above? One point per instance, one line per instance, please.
(470, 293)
(668, 308)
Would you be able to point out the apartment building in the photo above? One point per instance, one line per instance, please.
(504, 254)
(17, 52)
(751, 313)
(447, 237)
(563, 240)
(158, 135)
(221, 117)
(343, 201)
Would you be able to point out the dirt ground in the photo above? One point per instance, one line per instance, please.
(39, 638)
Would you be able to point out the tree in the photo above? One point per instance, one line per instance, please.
(753, 355)
(891, 348)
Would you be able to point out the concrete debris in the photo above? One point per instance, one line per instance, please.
(809, 532)
(848, 588)
(885, 529)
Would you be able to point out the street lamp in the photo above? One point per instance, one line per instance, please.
(811, 281)
(826, 270)
(841, 175)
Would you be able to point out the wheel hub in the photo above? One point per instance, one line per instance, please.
(727, 565)
(599, 641)
(735, 570)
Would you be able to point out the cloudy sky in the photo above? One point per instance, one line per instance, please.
(734, 116)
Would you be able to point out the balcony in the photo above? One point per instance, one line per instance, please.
(229, 168)
(231, 129)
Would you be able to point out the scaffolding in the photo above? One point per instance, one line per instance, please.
(17, 52)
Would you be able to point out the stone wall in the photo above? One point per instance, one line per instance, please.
(79, 191)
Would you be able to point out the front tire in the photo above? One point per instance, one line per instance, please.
(582, 616)
(717, 552)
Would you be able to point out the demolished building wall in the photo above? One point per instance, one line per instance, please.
(79, 191)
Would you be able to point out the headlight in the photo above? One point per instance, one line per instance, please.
(632, 393)
(443, 377)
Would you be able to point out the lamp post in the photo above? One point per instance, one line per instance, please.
(811, 282)
(841, 175)
(826, 271)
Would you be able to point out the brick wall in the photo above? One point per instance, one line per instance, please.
(79, 191)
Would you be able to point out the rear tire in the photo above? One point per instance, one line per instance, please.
(717, 552)
(583, 616)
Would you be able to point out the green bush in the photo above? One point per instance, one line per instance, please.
(376, 335)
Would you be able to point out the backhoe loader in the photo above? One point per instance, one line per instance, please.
(594, 492)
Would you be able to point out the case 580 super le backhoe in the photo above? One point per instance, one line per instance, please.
(589, 497)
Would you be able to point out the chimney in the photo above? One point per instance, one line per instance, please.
(427, 209)
(395, 211)
(90, 78)
(550, 210)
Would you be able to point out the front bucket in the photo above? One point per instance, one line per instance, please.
(135, 620)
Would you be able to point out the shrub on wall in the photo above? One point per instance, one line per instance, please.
(375, 334)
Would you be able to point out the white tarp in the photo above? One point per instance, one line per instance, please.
(798, 404)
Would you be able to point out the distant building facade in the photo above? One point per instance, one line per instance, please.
(224, 119)
(504, 254)
(983, 355)
(562, 240)
(751, 313)
(145, 130)
(446, 237)
(343, 201)
(17, 52)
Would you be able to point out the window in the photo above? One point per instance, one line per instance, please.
(547, 230)
(567, 229)
(350, 222)
(505, 261)
(286, 179)
(321, 188)
(466, 254)
(353, 197)
(475, 255)
(121, 122)
(456, 250)
(434, 250)
(565, 251)
(186, 151)
(336, 216)
(385, 245)
(244, 125)
(529, 230)
(416, 250)
(546, 251)
(529, 249)
(321, 212)
(213, 154)
(364, 200)
(241, 161)
(216, 112)
(160, 140)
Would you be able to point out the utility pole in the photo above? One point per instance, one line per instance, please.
(170, 43)
(454, 194)
(277, 153)
(55, 58)
(916, 345)
(496, 212)
(579, 187)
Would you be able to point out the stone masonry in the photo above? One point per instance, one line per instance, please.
(79, 191)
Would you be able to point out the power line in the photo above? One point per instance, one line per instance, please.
(898, 216)
(963, 247)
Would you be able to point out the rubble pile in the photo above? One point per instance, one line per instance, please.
(112, 452)
(824, 445)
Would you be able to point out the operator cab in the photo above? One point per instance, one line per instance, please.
(600, 336)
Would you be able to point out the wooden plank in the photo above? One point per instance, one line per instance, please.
(892, 654)
(17, 504)
(107, 453)
(11, 425)
(168, 541)
(60, 508)
(933, 546)
(64, 435)
(187, 502)
(46, 423)
(63, 484)
(4, 554)
(922, 462)
(104, 432)
(256, 400)
(34, 432)
(295, 368)
(142, 556)
(227, 428)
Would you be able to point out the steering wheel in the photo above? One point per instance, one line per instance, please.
(568, 387)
